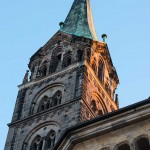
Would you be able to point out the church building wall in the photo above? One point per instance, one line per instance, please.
(113, 140)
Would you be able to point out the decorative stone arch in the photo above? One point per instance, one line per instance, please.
(93, 105)
(145, 137)
(35, 67)
(107, 88)
(56, 98)
(97, 105)
(101, 101)
(43, 92)
(67, 59)
(125, 145)
(37, 143)
(57, 50)
(43, 104)
(56, 58)
(42, 131)
(50, 139)
(44, 68)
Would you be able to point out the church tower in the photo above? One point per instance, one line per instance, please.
(72, 80)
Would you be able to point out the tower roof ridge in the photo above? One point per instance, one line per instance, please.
(80, 21)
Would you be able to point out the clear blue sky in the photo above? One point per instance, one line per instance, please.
(27, 25)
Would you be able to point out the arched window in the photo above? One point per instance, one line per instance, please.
(79, 55)
(95, 109)
(142, 144)
(44, 104)
(94, 67)
(123, 147)
(37, 143)
(56, 99)
(107, 89)
(50, 140)
(56, 58)
(43, 71)
(66, 60)
(101, 71)
(93, 106)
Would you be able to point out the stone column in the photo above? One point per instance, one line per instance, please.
(32, 108)
(44, 143)
(62, 57)
(52, 141)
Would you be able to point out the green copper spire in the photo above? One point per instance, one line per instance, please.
(79, 20)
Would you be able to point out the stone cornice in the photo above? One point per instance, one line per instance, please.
(43, 113)
(65, 70)
(102, 125)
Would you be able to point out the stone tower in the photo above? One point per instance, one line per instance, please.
(72, 80)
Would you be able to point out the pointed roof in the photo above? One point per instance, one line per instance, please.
(80, 21)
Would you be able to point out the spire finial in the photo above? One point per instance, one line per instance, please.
(61, 24)
(104, 37)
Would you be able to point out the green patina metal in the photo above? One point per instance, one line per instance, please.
(79, 20)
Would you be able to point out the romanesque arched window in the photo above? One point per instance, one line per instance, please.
(37, 143)
(43, 69)
(93, 105)
(142, 144)
(94, 67)
(66, 59)
(56, 59)
(44, 104)
(124, 146)
(95, 108)
(56, 99)
(42, 137)
(107, 89)
(101, 71)
(50, 140)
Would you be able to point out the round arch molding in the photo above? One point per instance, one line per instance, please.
(99, 99)
(123, 145)
(135, 141)
(46, 92)
(46, 88)
(42, 131)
